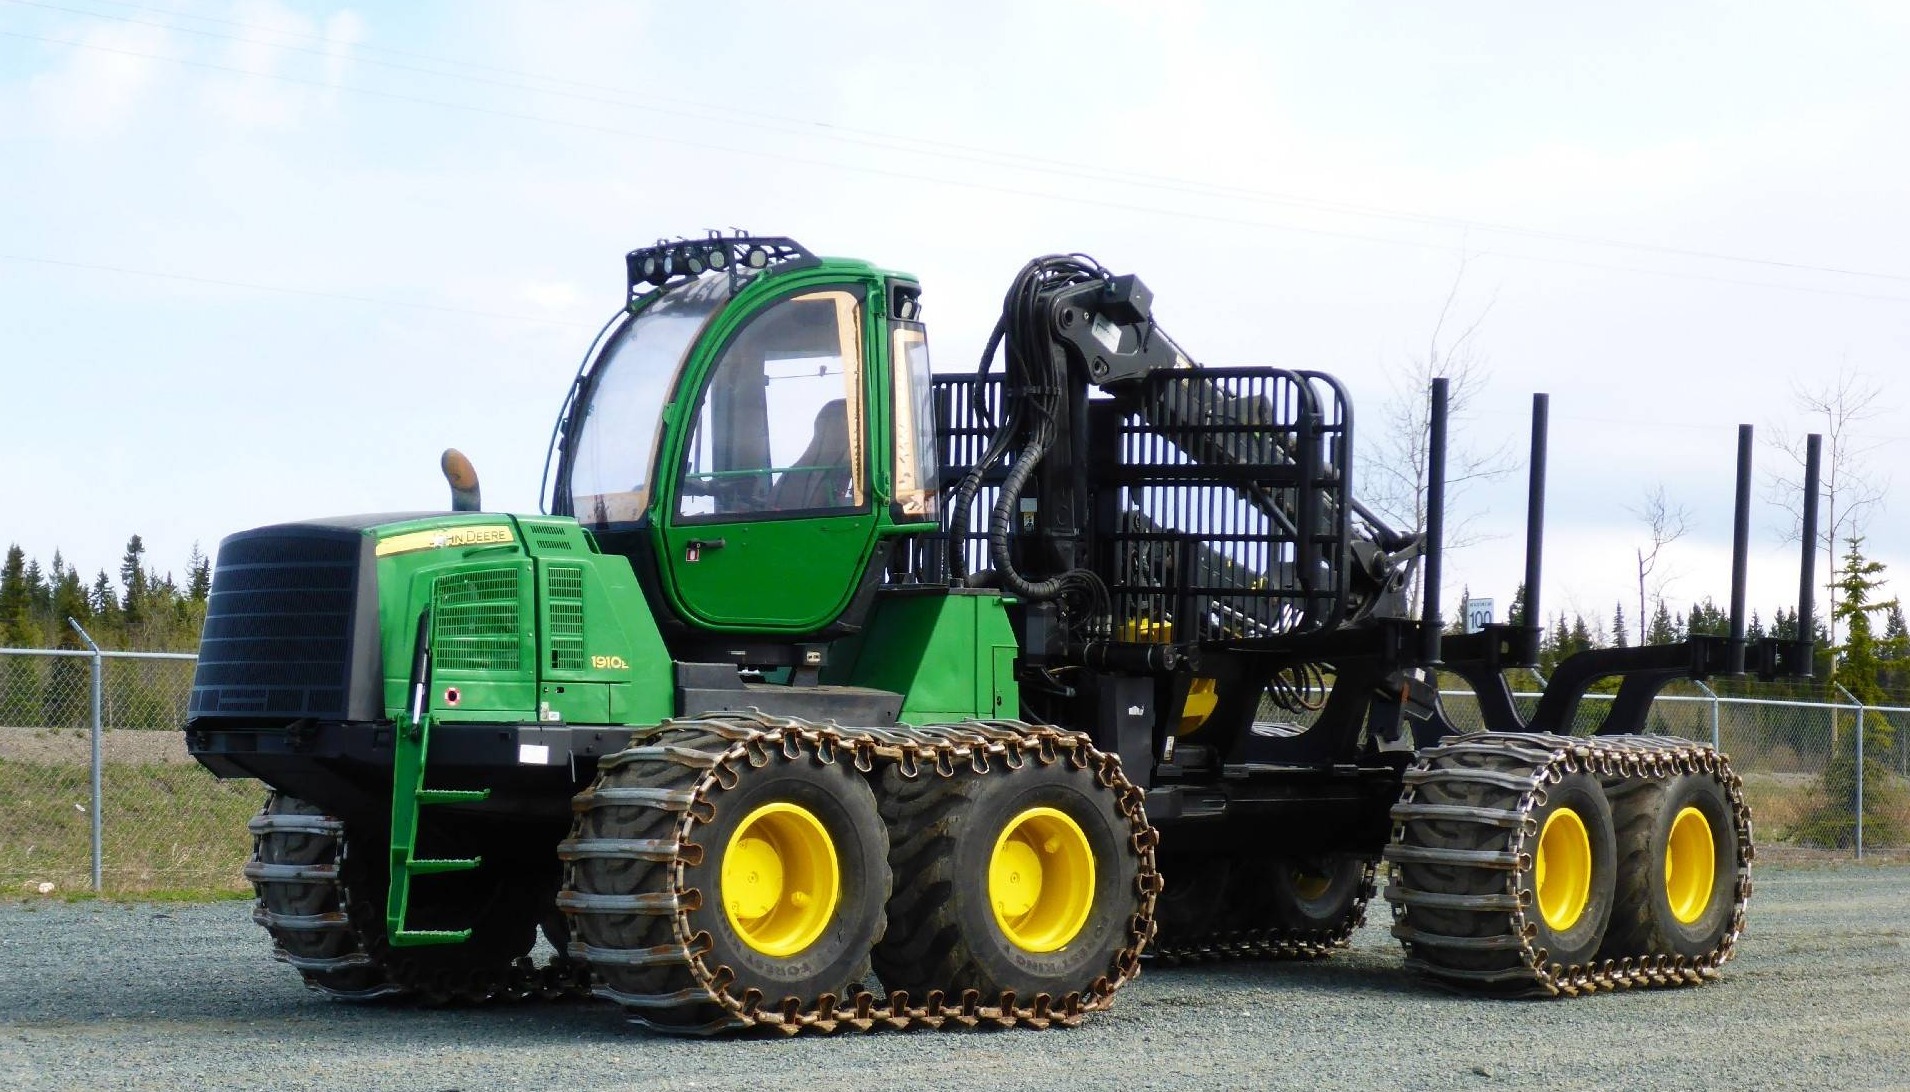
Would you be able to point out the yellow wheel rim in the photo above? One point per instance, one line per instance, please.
(780, 879)
(1691, 866)
(1563, 871)
(1041, 880)
(1308, 885)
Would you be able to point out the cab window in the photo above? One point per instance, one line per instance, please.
(779, 423)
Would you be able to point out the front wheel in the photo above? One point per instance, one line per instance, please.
(794, 871)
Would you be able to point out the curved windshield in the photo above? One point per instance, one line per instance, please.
(613, 449)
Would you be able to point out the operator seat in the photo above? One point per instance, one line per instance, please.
(802, 488)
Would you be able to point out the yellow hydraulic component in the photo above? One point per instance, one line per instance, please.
(1041, 880)
(781, 881)
(1690, 865)
(1563, 871)
(1201, 699)
(1147, 631)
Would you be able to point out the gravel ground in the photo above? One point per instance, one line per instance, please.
(176, 997)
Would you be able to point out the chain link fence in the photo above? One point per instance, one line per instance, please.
(1824, 776)
(139, 816)
(116, 805)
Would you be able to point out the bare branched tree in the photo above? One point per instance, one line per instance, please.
(1394, 482)
(1666, 523)
(1849, 490)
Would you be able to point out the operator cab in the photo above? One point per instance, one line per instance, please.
(753, 431)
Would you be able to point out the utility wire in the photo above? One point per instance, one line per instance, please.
(911, 176)
(942, 149)
(288, 291)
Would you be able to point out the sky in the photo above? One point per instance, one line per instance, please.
(264, 260)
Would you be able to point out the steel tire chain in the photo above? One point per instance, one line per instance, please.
(1273, 942)
(1525, 763)
(753, 739)
(355, 915)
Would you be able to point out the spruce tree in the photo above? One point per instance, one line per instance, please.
(1857, 663)
(105, 602)
(1581, 636)
(39, 596)
(1663, 630)
(132, 577)
(14, 602)
(1620, 638)
(199, 583)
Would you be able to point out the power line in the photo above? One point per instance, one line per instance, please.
(911, 176)
(288, 291)
(960, 152)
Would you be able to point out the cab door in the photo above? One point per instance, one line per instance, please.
(769, 525)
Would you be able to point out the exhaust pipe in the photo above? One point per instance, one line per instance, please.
(463, 479)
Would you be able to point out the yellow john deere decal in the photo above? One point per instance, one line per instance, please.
(614, 663)
(489, 534)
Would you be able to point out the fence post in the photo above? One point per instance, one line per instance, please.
(1716, 743)
(98, 730)
(1860, 766)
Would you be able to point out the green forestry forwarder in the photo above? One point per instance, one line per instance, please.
(834, 692)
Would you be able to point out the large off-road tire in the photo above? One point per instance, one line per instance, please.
(321, 885)
(1451, 874)
(1303, 895)
(1014, 880)
(1193, 903)
(1677, 845)
(626, 905)
(817, 825)
(295, 875)
(1574, 869)
(501, 902)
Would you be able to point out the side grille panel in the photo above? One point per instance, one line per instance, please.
(564, 606)
(474, 620)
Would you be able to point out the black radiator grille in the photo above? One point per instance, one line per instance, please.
(279, 623)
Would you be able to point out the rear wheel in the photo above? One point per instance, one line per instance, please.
(1015, 880)
(1192, 902)
(1309, 894)
(1677, 863)
(1572, 877)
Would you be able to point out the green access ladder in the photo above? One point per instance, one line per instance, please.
(410, 743)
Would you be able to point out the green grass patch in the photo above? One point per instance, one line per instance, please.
(172, 831)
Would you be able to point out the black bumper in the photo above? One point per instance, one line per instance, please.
(532, 769)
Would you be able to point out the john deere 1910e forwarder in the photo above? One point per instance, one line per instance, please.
(837, 692)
